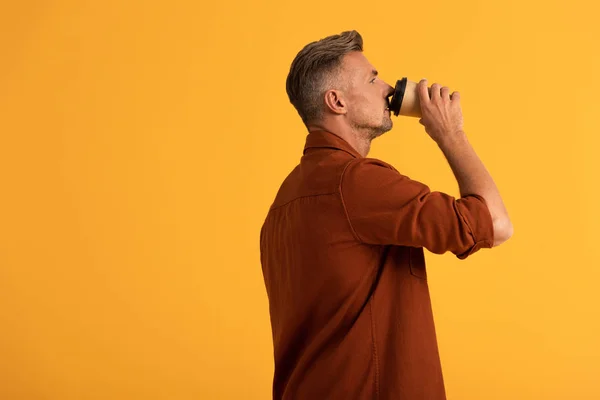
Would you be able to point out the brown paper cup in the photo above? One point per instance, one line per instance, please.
(407, 95)
(411, 107)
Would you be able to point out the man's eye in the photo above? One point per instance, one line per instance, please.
(373, 80)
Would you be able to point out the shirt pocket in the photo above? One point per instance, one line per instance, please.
(417, 262)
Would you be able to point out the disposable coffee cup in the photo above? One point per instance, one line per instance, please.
(405, 100)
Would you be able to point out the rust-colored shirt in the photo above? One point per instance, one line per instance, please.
(344, 269)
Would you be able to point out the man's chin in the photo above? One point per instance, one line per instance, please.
(386, 126)
(375, 133)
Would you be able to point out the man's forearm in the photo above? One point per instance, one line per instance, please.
(473, 178)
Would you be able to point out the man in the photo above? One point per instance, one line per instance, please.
(342, 244)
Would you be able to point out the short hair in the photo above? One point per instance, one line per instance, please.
(313, 71)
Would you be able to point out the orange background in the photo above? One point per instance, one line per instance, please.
(142, 144)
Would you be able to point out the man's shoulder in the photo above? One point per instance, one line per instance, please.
(367, 167)
(312, 178)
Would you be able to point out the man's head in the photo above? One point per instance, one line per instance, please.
(332, 82)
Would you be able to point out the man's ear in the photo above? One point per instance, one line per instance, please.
(335, 102)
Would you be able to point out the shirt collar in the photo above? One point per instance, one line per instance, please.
(325, 139)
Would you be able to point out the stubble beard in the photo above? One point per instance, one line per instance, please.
(376, 131)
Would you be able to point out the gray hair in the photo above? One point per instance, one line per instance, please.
(313, 71)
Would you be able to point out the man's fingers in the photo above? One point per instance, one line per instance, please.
(445, 92)
(435, 90)
(427, 94)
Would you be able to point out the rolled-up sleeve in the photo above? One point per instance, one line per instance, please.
(387, 208)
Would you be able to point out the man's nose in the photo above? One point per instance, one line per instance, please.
(389, 90)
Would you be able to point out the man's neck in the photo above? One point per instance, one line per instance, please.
(358, 140)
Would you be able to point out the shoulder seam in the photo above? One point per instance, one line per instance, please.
(344, 203)
(274, 207)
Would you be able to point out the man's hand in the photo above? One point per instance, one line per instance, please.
(441, 113)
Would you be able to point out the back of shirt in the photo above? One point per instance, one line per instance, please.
(342, 258)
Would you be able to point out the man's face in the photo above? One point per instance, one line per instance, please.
(366, 96)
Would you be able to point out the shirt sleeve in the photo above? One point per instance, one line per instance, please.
(387, 208)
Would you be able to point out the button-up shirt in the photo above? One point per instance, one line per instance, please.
(342, 257)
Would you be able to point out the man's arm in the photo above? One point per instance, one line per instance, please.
(384, 207)
(473, 177)
(442, 118)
